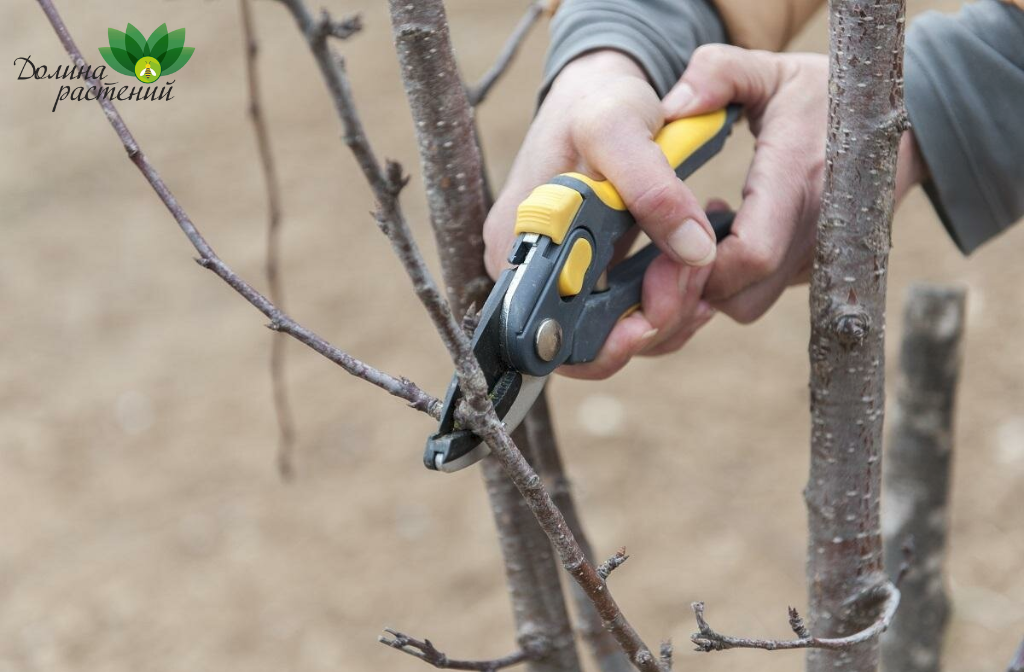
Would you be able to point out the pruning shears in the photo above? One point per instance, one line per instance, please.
(559, 301)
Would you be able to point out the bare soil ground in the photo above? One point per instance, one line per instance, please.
(142, 524)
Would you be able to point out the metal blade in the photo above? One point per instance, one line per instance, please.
(529, 391)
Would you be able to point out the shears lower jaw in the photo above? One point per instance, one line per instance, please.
(447, 452)
(511, 392)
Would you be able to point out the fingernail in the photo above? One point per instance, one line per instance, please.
(680, 99)
(692, 244)
(646, 340)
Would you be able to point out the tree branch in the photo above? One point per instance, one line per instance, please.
(547, 460)
(477, 93)
(279, 321)
(428, 653)
(1017, 664)
(708, 640)
(916, 481)
(278, 382)
(847, 312)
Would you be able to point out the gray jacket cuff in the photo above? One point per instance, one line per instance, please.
(964, 84)
(660, 35)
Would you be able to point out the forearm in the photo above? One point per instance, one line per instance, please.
(659, 35)
(964, 87)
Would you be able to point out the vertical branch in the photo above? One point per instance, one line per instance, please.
(453, 174)
(541, 434)
(449, 155)
(865, 121)
(917, 474)
(1017, 664)
(279, 385)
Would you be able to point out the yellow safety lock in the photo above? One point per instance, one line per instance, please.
(570, 279)
(549, 211)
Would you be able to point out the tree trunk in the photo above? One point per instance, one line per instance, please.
(453, 178)
(865, 121)
(917, 473)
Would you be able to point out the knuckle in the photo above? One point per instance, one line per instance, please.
(760, 261)
(595, 118)
(658, 204)
(743, 311)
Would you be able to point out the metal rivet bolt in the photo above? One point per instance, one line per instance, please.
(549, 339)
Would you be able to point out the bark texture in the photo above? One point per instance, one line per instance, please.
(866, 118)
(917, 474)
(541, 435)
(453, 177)
(449, 153)
(531, 571)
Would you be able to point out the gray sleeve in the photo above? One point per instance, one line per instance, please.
(659, 35)
(965, 96)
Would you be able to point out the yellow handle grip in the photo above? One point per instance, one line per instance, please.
(678, 140)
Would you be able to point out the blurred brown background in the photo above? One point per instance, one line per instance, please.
(142, 523)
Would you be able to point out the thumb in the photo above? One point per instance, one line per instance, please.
(719, 74)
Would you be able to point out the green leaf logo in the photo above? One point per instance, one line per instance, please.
(132, 54)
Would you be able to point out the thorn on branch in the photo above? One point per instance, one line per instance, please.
(796, 621)
(612, 563)
(428, 653)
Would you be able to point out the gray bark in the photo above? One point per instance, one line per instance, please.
(541, 434)
(917, 475)
(452, 173)
(865, 121)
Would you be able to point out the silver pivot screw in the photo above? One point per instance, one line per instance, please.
(549, 339)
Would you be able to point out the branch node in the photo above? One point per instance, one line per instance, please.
(612, 563)
(326, 27)
(851, 324)
(396, 177)
(796, 622)
(666, 654)
(204, 262)
(907, 563)
(471, 320)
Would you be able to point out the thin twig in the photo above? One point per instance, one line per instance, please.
(278, 381)
(279, 321)
(708, 640)
(1017, 664)
(428, 653)
(478, 92)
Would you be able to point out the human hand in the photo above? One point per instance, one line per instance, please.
(785, 99)
(600, 118)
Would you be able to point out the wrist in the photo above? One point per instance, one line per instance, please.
(602, 63)
(911, 169)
